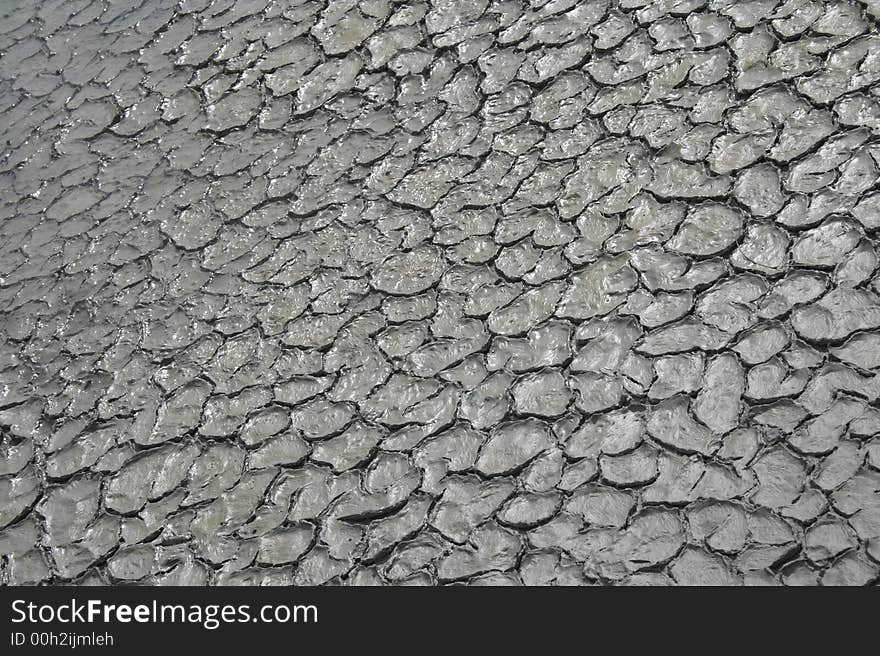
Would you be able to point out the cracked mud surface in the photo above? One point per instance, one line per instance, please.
(494, 292)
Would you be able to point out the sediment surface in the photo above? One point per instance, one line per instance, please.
(426, 292)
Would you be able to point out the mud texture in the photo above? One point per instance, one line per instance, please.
(426, 292)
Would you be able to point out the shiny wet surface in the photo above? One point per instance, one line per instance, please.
(504, 292)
